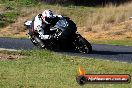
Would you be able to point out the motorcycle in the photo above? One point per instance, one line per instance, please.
(65, 37)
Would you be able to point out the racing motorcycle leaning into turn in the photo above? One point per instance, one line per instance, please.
(64, 34)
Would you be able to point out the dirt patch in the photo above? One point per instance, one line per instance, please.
(9, 57)
(17, 29)
(120, 31)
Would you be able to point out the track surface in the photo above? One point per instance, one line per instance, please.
(109, 52)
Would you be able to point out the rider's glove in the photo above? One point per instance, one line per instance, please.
(40, 15)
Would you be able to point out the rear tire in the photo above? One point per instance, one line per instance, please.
(82, 45)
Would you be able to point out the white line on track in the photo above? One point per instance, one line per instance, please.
(8, 49)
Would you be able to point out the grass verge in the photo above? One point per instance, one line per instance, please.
(45, 69)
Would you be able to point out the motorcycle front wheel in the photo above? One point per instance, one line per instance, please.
(37, 42)
(82, 45)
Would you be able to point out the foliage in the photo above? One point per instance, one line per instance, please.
(7, 18)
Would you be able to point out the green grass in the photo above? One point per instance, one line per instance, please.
(8, 18)
(19, 2)
(13, 10)
(45, 69)
(11, 15)
(113, 42)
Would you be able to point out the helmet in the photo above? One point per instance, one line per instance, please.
(48, 13)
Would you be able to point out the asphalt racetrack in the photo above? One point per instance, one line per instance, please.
(100, 51)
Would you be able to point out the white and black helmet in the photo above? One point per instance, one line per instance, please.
(48, 13)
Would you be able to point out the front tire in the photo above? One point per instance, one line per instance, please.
(37, 42)
(82, 45)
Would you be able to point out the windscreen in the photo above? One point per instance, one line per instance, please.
(62, 23)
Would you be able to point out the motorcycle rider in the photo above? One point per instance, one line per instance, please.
(42, 23)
